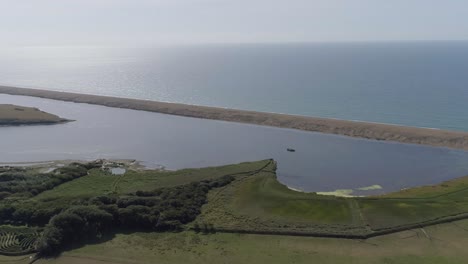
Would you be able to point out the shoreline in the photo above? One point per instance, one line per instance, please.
(15, 115)
(367, 130)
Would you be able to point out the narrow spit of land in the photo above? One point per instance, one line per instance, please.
(13, 115)
(413, 135)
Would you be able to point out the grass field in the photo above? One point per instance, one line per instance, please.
(254, 216)
(100, 182)
(260, 204)
(439, 244)
(417, 205)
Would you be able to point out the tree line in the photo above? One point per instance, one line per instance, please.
(21, 184)
(160, 210)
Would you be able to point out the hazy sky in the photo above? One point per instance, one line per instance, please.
(136, 22)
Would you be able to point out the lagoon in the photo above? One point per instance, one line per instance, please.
(321, 162)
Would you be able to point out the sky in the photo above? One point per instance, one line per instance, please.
(148, 22)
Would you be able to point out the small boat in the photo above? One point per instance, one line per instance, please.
(291, 150)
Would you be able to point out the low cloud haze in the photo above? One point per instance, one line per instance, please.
(146, 22)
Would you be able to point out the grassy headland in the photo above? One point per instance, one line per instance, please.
(241, 198)
(402, 134)
(235, 210)
(260, 204)
(13, 115)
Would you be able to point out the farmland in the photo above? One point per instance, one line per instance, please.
(208, 209)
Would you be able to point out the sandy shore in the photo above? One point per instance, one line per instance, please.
(402, 134)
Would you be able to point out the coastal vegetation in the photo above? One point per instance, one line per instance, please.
(13, 115)
(72, 213)
(65, 208)
(262, 205)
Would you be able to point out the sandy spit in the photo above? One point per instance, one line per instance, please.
(403, 134)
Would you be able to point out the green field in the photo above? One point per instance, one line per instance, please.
(99, 182)
(225, 213)
(444, 244)
(88, 200)
(260, 204)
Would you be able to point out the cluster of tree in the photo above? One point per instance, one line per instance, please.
(74, 225)
(21, 183)
(161, 209)
(21, 214)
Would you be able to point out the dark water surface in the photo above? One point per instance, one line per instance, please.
(321, 162)
(420, 84)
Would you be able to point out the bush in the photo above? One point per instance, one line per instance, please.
(30, 185)
(161, 209)
(75, 225)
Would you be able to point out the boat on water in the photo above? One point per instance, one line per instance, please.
(291, 150)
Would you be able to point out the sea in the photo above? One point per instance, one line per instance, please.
(422, 84)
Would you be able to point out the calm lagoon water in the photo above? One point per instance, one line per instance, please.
(416, 84)
(321, 162)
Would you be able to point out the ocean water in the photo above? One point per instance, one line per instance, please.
(321, 162)
(417, 84)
